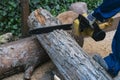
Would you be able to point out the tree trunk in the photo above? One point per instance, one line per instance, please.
(24, 13)
(22, 55)
(72, 62)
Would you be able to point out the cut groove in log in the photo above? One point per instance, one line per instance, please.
(72, 62)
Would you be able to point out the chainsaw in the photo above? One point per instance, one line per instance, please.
(80, 26)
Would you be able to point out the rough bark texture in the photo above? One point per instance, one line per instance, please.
(22, 55)
(72, 62)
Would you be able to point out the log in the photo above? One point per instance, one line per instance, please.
(72, 62)
(21, 56)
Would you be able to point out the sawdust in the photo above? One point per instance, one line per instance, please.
(102, 47)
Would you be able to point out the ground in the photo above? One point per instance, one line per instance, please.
(102, 47)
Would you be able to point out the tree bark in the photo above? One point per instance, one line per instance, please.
(20, 56)
(72, 62)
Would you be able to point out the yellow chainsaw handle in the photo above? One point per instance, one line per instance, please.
(75, 27)
(106, 24)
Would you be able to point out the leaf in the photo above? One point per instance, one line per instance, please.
(4, 13)
(10, 15)
(12, 4)
(15, 26)
(36, 1)
(48, 8)
(57, 7)
(13, 31)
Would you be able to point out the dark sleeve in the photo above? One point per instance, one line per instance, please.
(107, 9)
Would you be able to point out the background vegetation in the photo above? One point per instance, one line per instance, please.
(10, 15)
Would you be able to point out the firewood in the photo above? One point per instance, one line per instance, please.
(72, 62)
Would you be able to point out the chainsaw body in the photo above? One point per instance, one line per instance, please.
(95, 32)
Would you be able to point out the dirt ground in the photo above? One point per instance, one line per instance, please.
(90, 46)
(102, 47)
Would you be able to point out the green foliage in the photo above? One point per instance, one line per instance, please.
(58, 6)
(10, 15)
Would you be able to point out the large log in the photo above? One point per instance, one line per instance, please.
(72, 62)
(21, 56)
